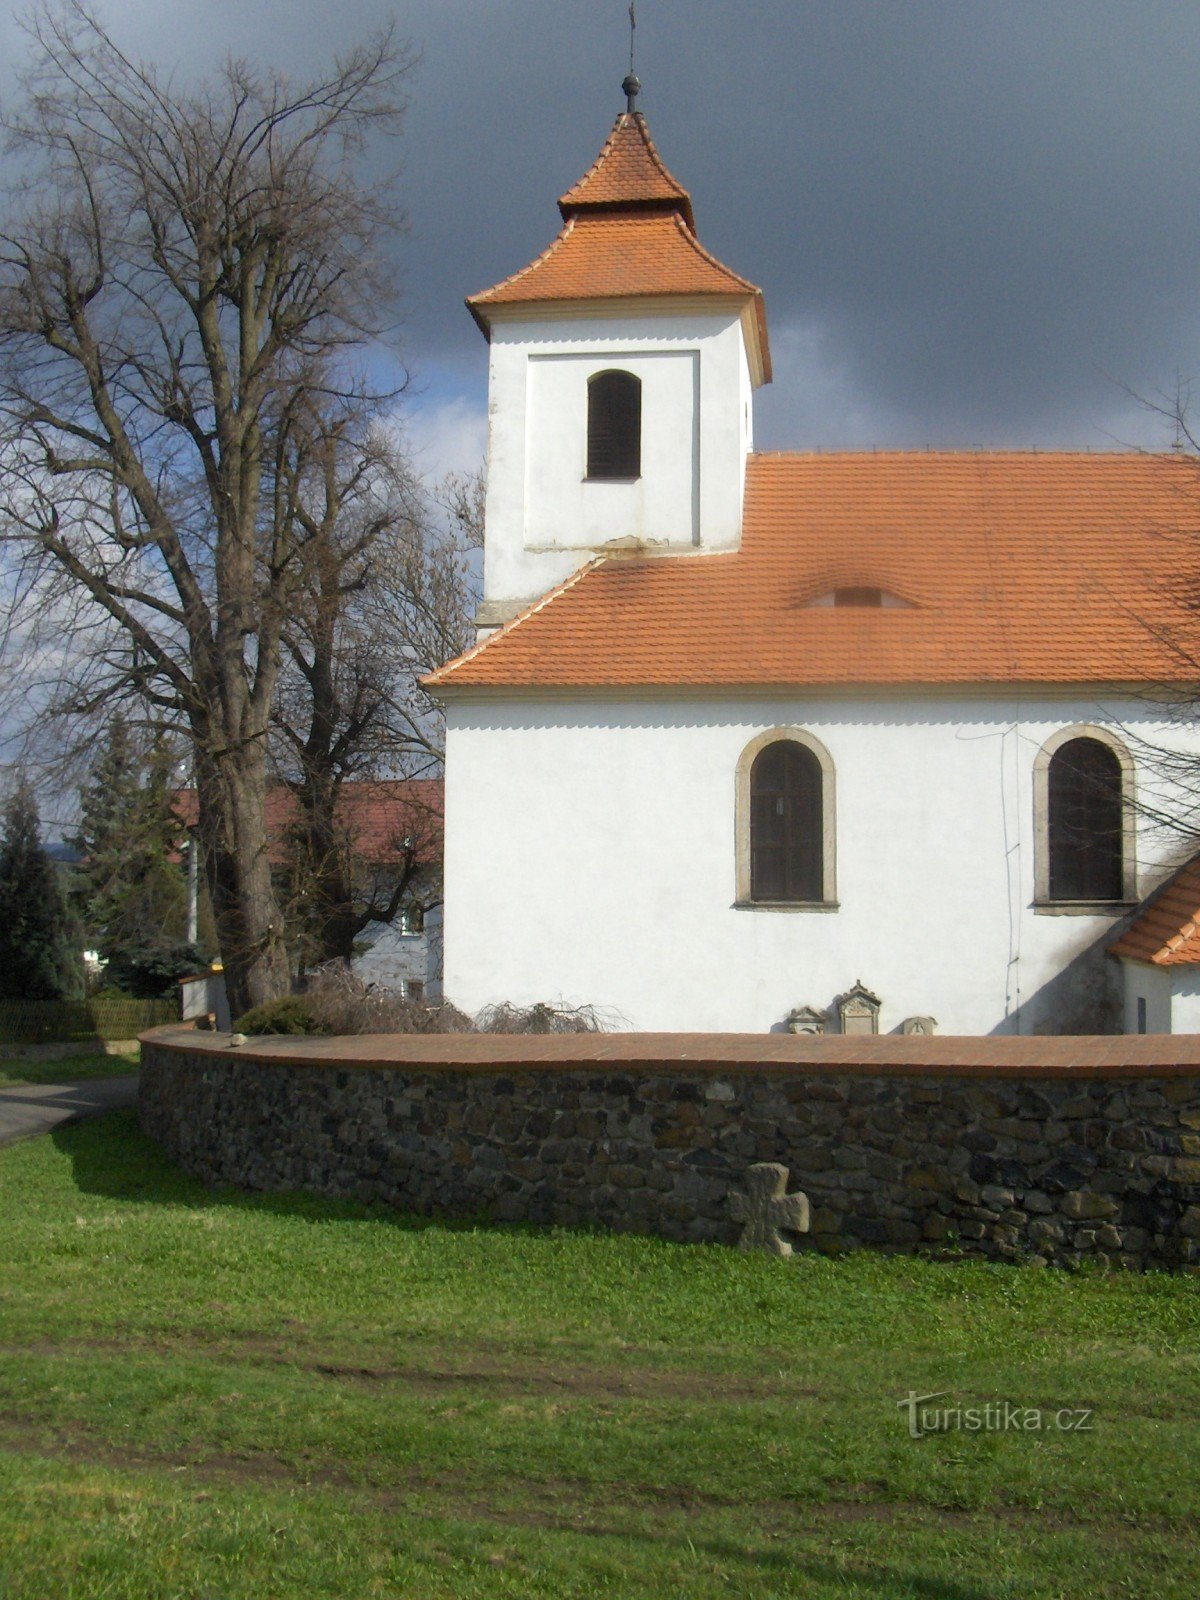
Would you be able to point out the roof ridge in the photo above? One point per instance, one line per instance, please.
(1152, 905)
(648, 139)
(513, 277)
(707, 255)
(601, 155)
(507, 628)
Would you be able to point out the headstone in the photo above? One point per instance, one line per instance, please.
(806, 1019)
(767, 1210)
(858, 1010)
(919, 1025)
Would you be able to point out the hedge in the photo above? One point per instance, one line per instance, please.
(38, 1021)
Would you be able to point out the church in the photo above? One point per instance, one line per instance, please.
(824, 742)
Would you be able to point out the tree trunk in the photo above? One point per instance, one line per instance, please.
(233, 837)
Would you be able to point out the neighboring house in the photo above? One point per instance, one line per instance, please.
(375, 818)
(742, 730)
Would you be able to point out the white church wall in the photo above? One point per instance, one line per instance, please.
(1147, 1007)
(1185, 999)
(590, 856)
(543, 517)
(563, 509)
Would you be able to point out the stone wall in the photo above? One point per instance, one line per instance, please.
(1050, 1149)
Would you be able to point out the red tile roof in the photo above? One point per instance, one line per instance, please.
(629, 234)
(628, 172)
(1166, 930)
(377, 815)
(616, 255)
(1055, 568)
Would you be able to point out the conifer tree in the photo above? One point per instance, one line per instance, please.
(130, 887)
(39, 954)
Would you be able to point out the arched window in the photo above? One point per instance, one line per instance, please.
(785, 822)
(1083, 794)
(1085, 822)
(614, 431)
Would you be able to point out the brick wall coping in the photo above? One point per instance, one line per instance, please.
(1082, 1056)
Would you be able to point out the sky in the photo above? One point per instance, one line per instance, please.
(976, 222)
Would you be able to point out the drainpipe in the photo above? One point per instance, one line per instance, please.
(193, 890)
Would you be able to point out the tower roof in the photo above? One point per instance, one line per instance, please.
(628, 233)
(628, 174)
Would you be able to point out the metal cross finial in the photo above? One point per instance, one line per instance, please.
(631, 85)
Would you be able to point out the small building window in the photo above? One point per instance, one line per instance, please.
(412, 919)
(1083, 798)
(614, 425)
(859, 596)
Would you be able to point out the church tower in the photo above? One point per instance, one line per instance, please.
(623, 363)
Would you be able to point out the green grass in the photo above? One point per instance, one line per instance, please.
(65, 1069)
(210, 1397)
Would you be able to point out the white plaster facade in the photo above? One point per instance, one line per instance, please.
(592, 836)
(591, 856)
(405, 960)
(1161, 999)
(544, 517)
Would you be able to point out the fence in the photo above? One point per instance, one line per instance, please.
(1054, 1150)
(122, 1017)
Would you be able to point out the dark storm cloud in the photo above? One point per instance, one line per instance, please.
(974, 222)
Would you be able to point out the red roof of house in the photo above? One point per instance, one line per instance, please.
(1166, 931)
(378, 814)
(628, 233)
(1035, 568)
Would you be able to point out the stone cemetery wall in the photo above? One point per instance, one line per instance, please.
(1055, 1149)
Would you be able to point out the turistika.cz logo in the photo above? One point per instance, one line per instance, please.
(996, 1416)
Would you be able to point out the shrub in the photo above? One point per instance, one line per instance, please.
(338, 1002)
(292, 1014)
(540, 1018)
(345, 1004)
(107, 1015)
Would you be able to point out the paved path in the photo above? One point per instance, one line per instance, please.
(31, 1108)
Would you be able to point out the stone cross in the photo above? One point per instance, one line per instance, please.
(766, 1209)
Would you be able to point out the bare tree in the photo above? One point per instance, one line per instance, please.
(183, 273)
(391, 595)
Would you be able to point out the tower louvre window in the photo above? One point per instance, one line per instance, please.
(614, 432)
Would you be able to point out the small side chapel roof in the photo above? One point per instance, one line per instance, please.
(1058, 568)
(1165, 932)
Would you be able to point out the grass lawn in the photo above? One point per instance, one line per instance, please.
(65, 1069)
(210, 1397)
